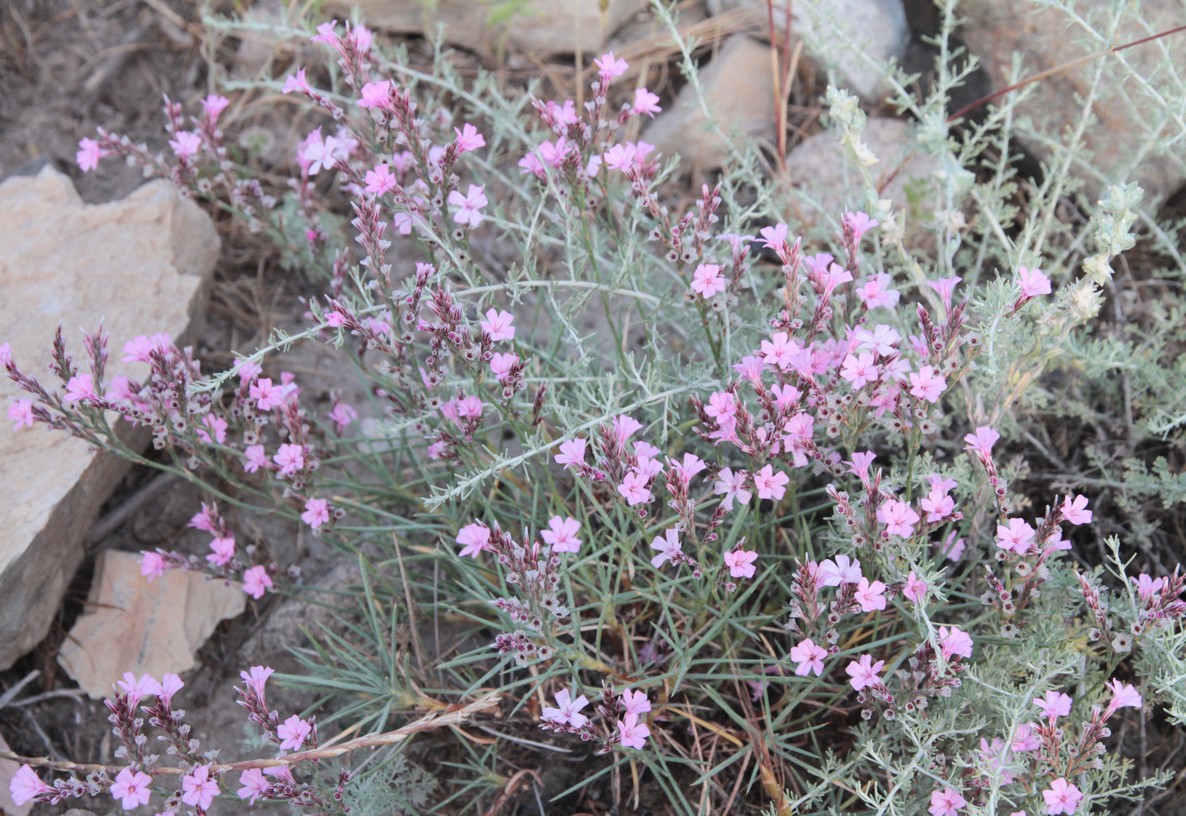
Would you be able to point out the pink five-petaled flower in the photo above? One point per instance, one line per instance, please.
(290, 458)
(474, 538)
(927, 384)
(1062, 797)
(568, 710)
(858, 223)
(779, 350)
(809, 657)
(668, 545)
(198, 789)
(1024, 739)
(870, 596)
(732, 486)
(185, 144)
(1075, 510)
(946, 802)
(256, 582)
(469, 205)
(876, 292)
(88, 155)
(634, 488)
(256, 677)
(645, 102)
(898, 517)
(1123, 696)
(610, 67)
(843, 570)
(864, 672)
(170, 684)
(80, 387)
(380, 180)
(26, 786)
(293, 731)
(316, 513)
(21, 414)
(632, 733)
(222, 551)
(1054, 704)
(1016, 537)
(501, 365)
(859, 369)
(561, 534)
(499, 325)
(1033, 282)
(774, 237)
(708, 281)
(375, 94)
(254, 783)
(770, 485)
(635, 702)
(152, 565)
(915, 589)
(266, 395)
(741, 563)
(572, 452)
(254, 457)
(131, 788)
(981, 442)
(468, 138)
(954, 642)
(138, 688)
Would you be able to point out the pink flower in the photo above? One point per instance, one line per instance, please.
(1147, 586)
(26, 786)
(945, 287)
(469, 205)
(634, 488)
(266, 395)
(741, 563)
(256, 678)
(779, 350)
(342, 415)
(870, 596)
(501, 365)
(1016, 537)
(624, 426)
(185, 144)
(561, 534)
(380, 180)
(290, 458)
(927, 384)
(635, 702)
(876, 292)
(775, 237)
(859, 466)
(1033, 283)
(1123, 696)
(610, 67)
(858, 223)
(1062, 797)
(946, 802)
(859, 369)
(809, 657)
(213, 106)
(864, 672)
(1024, 739)
(254, 783)
(152, 565)
(499, 325)
(954, 642)
(645, 102)
(88, 155)
(572, 452)
(170, 684)
(468, 139)
(293, 731)
(222, 551)
(474, 538)
(254, 457)
(215, 425)
(732, 485)
(256, 582)
(316, 513)
(1054, 704)
(915, 588)
(21, 414)
(632, 733)
(131, 788)
(770, 485)
(1075, 511)
(296, 83)
(198, 789)
(898, 517)
(137, 689)
(708, 281)
(883, 340)
(80, 387)
(981, 442)
(668, 545)
(568, 710)
(843, 570)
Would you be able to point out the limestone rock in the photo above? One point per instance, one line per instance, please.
(141, 627)
(1126, 119)
(141, 265)
(842, 35)
(541, 27)
(739, 91)
(821, 169)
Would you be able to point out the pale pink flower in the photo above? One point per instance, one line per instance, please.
(927, 384)
(290, 458)
(20, 413)
(254, 457)
(474, 538)
(132, 788)
(945, 287)
(1024, 739)
(296, 83)
(635, 702)
(775, 237)
(668, 545)
(634, 488)
(572, 452)
(213, 106)
(689, 467)
(876, 292)
(882, 340)
(469, 205)
(610, 67)
(342, 414)
(170, 684)
(468, 139)
(624, 427)
(1148, 586)
(858, 223)
(152, 565)
(915, 589)
(1062, 797)
(632, 733)
(898, 517)
(982, 441)
(254, 783)
(842, 570)
(708, 281)
(561, 534)
(1032, 281)
(741, 563)
(1123, 696)
(1054, 704)
(946, 802)
(1075, 510)
(501, 365)
(79, 388)
(1016, 537)
(185, 144)
(770, 485)
(567, 711)
(198, 789)
(645, 102)
(293, 731)
(137, 688)
(779, 350)
(26, 786)
(256, 582)
(88, 155)
(870, 596)
(859, 369)
(732, 486)
(864, 672)
(859, 466)
(222, 551)
(380, 180)
(954, 642)
(499, 325)
(266, 395)
(808, 657)
(316, 513)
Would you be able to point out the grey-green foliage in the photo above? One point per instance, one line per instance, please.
(396, 788)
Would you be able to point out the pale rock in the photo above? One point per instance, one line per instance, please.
(738, 90)
(822, 173)
(851, 38)
(141, 265)
(134, 625)
(542, 27)
(1126, 120)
